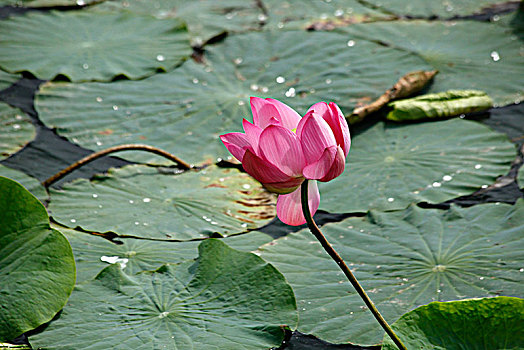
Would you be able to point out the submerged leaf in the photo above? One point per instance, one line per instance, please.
(440, 105)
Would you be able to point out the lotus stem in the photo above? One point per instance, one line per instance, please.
(340, 262)
(120, 148)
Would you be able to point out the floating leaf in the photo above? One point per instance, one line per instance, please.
(47, 3)
(467, 54)
(37, 270)
(205, 18)
(186, 110)
(215, 302)
(93, 252)
(7, 346)
(7, 79)
(30, 183)
(391, 166)
(83, 46)
(440, 105)
(431, 8)
(402, 259)
(16, 130)
(318, 14)
(489, 323)
(145, 202)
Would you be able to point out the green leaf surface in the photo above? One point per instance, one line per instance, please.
(47, 3)
(186, 110)
(30, 183)
(402, 259)
(16, 130)
(93, 252)
(37, 270)
(476, 324)
(430, 8)
(151, 203)
(205, 18)
(467, 54)
(7, 79)
(318, 14)
(439, 105)
(225, 300)
(83, 46)
(7, 346)
(390, 165)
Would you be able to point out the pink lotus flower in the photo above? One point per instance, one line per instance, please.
(281, 149)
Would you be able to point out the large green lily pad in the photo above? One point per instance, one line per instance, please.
(93, 252)
(402, 259)
(186, 110)
(318, 14)
(145, 202)
(83, 46)
(430, 8)
(467, 54)
(391, 166)
(30, 183)
(205, 18)
(489, 323)
(37, 270)
(225, 300)
(16, 130)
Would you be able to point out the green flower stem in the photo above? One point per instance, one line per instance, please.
(340, 262)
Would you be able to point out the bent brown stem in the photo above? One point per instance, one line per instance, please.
(120, 148)
(340, 262)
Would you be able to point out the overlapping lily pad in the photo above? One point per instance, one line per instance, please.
(7, 79)
(403, 259)
(186, 110)
(431, 8)
(16, 130)
(37, 270)
(150, 203)
(489, 323)
(30, 183)
(318, 14)
(205, 18)
(215, 302)
(93, 252)
(468, 54)
(83, 46)
(391, 166)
